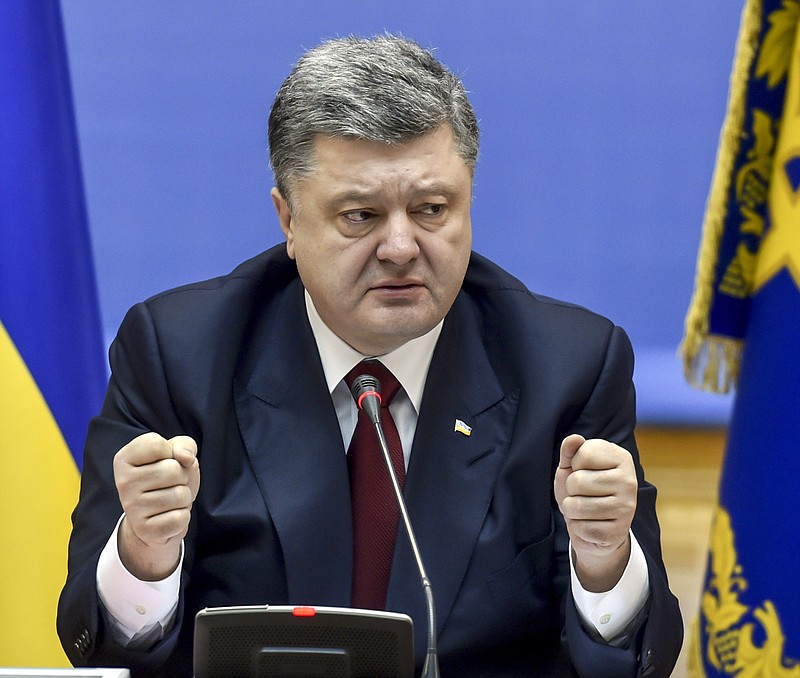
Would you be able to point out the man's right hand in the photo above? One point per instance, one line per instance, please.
(157, 481)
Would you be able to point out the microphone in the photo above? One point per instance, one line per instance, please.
(366, 391)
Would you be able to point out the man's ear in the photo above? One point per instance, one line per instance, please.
(285, 218)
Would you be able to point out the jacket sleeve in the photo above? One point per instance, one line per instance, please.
(652, 648)
(137, 401)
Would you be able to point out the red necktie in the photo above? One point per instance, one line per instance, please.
(374, 506)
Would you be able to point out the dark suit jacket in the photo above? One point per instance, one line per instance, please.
(232, 362)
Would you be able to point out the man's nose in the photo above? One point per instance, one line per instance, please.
(398, 239)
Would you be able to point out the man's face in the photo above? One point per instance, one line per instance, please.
(381, 236)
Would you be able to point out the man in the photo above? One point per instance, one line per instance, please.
(515, 415)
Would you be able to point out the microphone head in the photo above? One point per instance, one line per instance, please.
(365, 384)
(366, 391)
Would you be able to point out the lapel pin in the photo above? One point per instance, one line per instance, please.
(462, 428)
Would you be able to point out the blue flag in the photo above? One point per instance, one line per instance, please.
(744, 329)
(52, 375)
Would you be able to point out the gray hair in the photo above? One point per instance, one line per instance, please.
(385, 89)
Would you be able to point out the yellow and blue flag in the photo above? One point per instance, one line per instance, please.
(52, 374)
(743, 330)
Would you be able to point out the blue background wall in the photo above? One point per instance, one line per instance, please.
(599, 121)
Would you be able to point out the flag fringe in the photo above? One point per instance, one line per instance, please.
(702, 353)
(712, 364)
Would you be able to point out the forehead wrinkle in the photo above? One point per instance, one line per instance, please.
(359, 170)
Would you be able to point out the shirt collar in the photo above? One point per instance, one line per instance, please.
(409, 363)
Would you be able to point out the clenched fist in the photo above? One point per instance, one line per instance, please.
(595, 487)
(157, 481)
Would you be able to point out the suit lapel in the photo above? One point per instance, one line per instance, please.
(451, 475)
(292, 436)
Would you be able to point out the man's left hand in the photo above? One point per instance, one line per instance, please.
(595, 487)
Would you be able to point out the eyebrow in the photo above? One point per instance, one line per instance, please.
(355, 195)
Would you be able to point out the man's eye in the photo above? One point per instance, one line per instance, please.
(358, 216)
(432, 209)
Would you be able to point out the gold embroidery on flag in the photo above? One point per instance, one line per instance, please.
(730, 625)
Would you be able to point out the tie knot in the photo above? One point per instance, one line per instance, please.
(389, 386)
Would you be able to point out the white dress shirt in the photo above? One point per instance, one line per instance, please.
(140, 612)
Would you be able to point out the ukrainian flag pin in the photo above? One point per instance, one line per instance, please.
(462, 428)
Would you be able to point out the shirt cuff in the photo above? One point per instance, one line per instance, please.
(134, 605)
(611, 612)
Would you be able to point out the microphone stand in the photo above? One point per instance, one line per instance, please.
(431, 667)
(368, 386)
